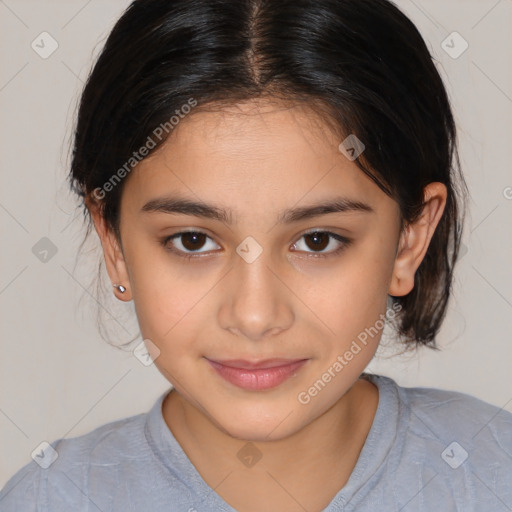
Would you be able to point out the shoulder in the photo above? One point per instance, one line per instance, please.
(457, 445)
(446, 414)
(111, 442)
(63, 465)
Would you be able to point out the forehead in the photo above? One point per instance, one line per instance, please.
(255, 154)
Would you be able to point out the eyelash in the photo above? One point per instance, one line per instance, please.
(345, 242)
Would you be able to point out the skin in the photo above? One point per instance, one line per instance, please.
(259, 158)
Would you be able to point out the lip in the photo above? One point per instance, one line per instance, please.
(257, 375)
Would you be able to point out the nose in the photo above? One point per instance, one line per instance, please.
(256, 303)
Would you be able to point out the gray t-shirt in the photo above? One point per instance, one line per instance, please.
(427, 450)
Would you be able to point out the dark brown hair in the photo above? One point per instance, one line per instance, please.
(362, 63)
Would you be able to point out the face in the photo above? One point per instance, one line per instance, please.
(307, 292)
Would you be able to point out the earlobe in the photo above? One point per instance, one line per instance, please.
(401, 281)
(415, 239)
(112, 252)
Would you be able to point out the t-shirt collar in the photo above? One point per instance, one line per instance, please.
(378, 445)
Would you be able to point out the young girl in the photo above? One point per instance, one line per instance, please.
(272, 182)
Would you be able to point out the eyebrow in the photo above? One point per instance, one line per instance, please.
(177, 205)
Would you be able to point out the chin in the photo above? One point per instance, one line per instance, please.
(255, 433)
(257, 425)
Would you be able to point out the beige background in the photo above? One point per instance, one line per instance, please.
(58, 378)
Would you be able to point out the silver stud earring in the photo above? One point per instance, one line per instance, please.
(120, 287)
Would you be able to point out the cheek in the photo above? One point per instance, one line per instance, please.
(350, 298)
(168, 297)
(166, 310)
(356, 283)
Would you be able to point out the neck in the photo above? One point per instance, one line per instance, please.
(325, 450)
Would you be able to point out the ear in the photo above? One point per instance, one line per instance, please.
(415, 239)
(112, 251)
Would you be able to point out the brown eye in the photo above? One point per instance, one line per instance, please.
(193, 241)
(186, 243)
(317, 241)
